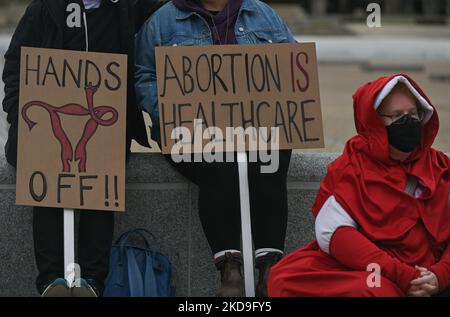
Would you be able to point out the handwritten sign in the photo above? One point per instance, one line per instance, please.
(72, 118)
(271, 86)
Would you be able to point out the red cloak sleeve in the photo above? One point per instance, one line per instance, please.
(361, 252)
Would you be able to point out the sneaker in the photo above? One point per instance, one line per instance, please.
(58, 288)
(84, 289)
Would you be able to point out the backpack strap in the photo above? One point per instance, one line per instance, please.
(124, 238)
(150, 286)
(139, 231)
(135, 280)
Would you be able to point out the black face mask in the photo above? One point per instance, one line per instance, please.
(404, 134)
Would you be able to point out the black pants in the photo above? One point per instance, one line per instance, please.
(219, 202)
(95, 234)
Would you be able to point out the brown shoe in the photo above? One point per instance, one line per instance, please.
(232, 282)
(264, 265)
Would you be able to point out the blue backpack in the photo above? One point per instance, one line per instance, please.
(138, 272)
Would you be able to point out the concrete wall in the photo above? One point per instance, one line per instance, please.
(164, 202)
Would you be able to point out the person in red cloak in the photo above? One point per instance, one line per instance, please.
(383, 210)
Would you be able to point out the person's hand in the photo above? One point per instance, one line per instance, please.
(425, 285)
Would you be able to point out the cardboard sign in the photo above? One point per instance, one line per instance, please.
(72, 121)
(271, 86)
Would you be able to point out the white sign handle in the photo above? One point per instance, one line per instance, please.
(69, 247)
(246, 225)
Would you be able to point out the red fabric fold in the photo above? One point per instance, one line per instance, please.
(355, 251)
(442, 270)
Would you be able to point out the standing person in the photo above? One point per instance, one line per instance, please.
(106, 26)
(383, 210)
(207, 22)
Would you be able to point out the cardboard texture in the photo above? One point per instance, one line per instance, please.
(274, 85)
(72, 123)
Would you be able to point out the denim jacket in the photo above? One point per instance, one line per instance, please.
(257, 23)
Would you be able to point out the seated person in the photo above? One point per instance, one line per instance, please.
(216, 22)
(383, 210)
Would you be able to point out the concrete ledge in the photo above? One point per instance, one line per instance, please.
(159, 199)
